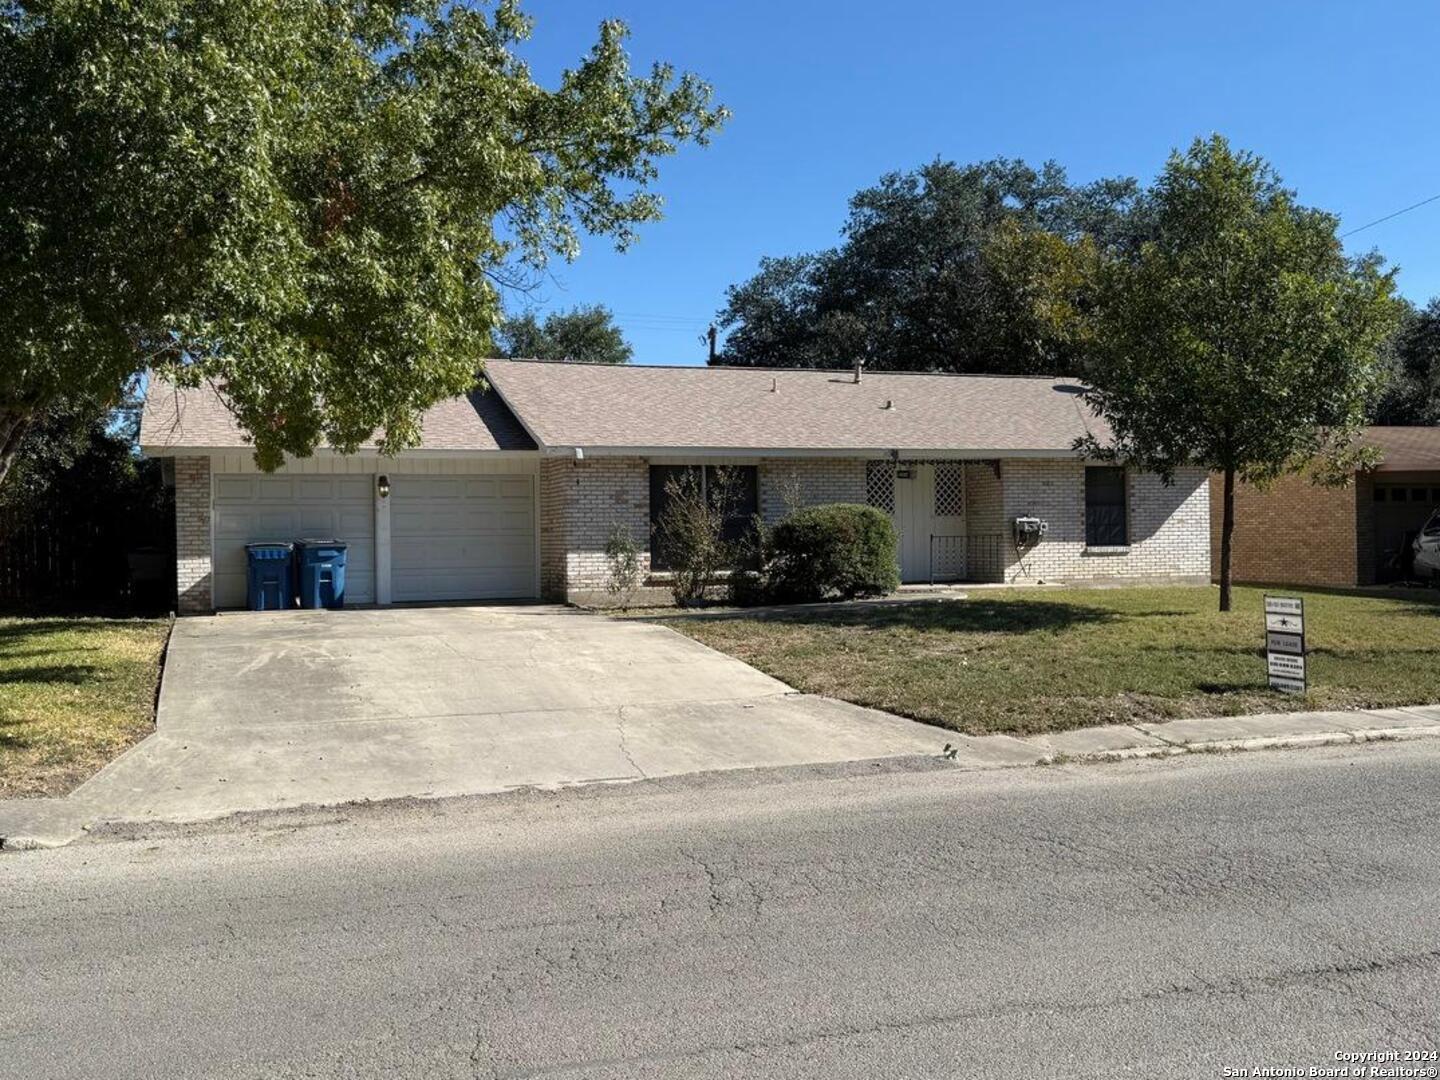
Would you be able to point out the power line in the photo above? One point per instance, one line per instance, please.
(1387, 217)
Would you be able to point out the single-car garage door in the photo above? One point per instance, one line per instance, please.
(462, 537)
(258, 507)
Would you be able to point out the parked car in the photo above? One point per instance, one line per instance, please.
(1426, 547)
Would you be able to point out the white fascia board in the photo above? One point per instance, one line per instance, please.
(794, 452)
(326, 452)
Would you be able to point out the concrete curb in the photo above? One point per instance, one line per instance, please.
(32, 824)
(1297, 741)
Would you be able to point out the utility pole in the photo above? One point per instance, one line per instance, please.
(709, 336)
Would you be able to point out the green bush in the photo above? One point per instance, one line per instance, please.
(837, 551)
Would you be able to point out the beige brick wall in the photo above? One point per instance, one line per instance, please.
(814, 481)
(580, 502)
(988, 548)
(1168, 526)
(193, 572)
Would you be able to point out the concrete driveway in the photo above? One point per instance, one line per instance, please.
(268, 710)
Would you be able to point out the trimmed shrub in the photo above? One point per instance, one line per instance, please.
(840, 551)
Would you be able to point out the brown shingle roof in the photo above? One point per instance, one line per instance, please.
(597, 406)
(177, 419)
(1406, 449)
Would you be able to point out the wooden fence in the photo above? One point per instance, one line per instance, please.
(89, 559)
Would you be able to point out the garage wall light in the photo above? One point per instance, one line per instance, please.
(382, 485)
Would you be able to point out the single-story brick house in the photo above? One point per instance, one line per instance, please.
(1298, 533)
(515, 488)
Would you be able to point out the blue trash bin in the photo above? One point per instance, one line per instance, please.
(320, 573)
(268, 576)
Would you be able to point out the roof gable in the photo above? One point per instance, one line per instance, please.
(176, 419)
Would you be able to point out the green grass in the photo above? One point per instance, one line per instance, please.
(1035, 660)
(73, 694)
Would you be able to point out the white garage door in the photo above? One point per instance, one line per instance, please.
(258, 507)
(462, 537)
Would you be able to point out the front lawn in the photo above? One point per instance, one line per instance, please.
(1035, 660)
(73, 694)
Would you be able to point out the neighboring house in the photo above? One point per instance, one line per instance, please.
(1296, 532)
(515, 489)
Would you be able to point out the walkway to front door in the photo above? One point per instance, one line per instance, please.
(930, 516)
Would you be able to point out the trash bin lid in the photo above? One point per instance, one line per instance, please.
(312, 542)
(278, 546)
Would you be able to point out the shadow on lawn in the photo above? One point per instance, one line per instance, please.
(50, 673)
(22, 628)
(961, 616)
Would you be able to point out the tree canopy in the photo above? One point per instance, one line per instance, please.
(978, 268)
(1241, 338)
(582, 335)
(1411, 395)
(308, 203)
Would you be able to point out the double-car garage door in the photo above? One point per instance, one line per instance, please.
(457, 537)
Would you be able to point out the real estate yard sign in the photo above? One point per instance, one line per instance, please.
(1285, 643)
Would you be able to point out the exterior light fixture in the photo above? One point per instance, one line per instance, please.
(382, 485)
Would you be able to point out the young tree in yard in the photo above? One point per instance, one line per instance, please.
(1241, 338)
(585, 335)
(308, 203)
(691, 530)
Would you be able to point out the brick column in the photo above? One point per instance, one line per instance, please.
(193, 572)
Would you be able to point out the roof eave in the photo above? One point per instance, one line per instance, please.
(955, 453)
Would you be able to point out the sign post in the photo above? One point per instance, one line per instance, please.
(1285, 643)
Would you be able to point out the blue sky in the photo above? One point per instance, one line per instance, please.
(1340, 97)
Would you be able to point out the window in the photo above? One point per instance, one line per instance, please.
(737, 522)
(1105, 524)
(1420, 495)
(1379, 494)
(1397, 494)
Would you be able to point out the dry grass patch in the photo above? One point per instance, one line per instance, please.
(73, 694)
(1035, 660)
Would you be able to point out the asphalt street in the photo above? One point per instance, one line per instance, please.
(1162, 918)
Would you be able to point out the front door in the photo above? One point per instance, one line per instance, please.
(930, 516)
(914, 496)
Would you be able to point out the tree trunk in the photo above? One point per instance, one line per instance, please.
(13, 425)
(1227, 533)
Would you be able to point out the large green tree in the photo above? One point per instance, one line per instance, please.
(979, 268)
(582, 335)
(307, 203)
(1241, 338)
(1412, 361)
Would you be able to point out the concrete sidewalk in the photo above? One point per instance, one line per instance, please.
(31, 823)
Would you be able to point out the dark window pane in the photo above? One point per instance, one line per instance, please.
(744, 504)
(1419, 495)
(661, 478)
(1397, 494)
(1380, 494)
(1105, 524)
